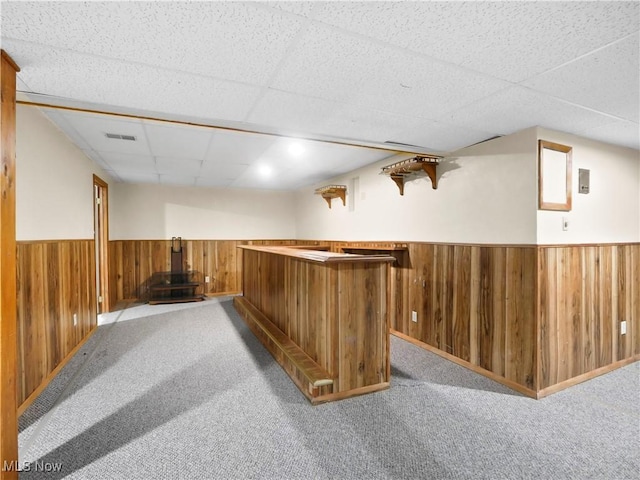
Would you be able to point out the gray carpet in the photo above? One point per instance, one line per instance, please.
(187, 392)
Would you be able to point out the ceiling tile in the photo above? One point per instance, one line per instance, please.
(260, 175)
(58, 118)
(213, 182)
(21, 86)
(38, 21)
(177, 141)
(228, 40)
(295, 7)
(184, 180)
(113, 175)
(303, 114)
(509, 40)
(618, 132)
(121, 162)
(132, 177)
(372, 74)
(222, 170)
(607, 80)
(517, 108)
(178, 166)
(97, 158)
(71, 75)
(442, 137)
(231, 147)
(358, 122)
(292, 112)
(93, 129)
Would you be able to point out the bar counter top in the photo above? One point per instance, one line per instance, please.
(318, 255)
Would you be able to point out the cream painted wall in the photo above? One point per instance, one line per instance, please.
(54, 181)
(139, 212)
(610, 212)
(486, 194)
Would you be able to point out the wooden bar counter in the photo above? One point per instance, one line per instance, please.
(322, 315)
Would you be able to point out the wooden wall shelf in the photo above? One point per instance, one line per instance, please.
(400, 170)
(330, 192)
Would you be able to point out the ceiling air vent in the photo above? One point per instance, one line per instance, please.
(117, 136)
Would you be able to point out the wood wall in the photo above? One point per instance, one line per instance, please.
(476, 303)
(56, 279)
(132, 262)
(535, 316)
(584, 294)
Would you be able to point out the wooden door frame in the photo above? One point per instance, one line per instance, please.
(104, 241)
(8, 281)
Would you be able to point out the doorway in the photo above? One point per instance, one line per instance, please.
(101, 240)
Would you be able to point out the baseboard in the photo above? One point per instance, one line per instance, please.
(332, 397)
(222, 294)
(587, 376)
(463, 363)
(45, 382)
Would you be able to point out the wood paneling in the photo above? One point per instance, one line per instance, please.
(535, 316)
(335, 311)
(132, 262)
(584, 294)
(56, 280)
(8, 339)
(476, 303)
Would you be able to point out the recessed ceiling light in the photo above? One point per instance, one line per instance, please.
(265, 170)
(296, 149)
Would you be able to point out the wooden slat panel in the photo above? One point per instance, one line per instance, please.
(520, 321)
(56, 281)
(634, 295)
(461, 295)
(585, 292)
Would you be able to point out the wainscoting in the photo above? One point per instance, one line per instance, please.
(585, 292)
(132, 262)
(536, 318)
(475, 303)
(56, 280)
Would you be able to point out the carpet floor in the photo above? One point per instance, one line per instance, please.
(187, 392)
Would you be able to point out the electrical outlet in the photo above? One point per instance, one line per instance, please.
(623, 327)
(414, 316)
(75, 319)
(206, 279)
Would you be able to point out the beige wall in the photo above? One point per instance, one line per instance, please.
(54, 181)
(486, 194)
(139, 212)
(610, 212)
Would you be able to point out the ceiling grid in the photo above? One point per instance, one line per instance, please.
(435, 75)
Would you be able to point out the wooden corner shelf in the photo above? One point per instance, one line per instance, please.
(329, 192)
(400, 170)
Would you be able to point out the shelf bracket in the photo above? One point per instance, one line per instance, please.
(400, 170)
(329, 192)
(399, 179)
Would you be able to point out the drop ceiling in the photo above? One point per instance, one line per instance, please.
(437, 76)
